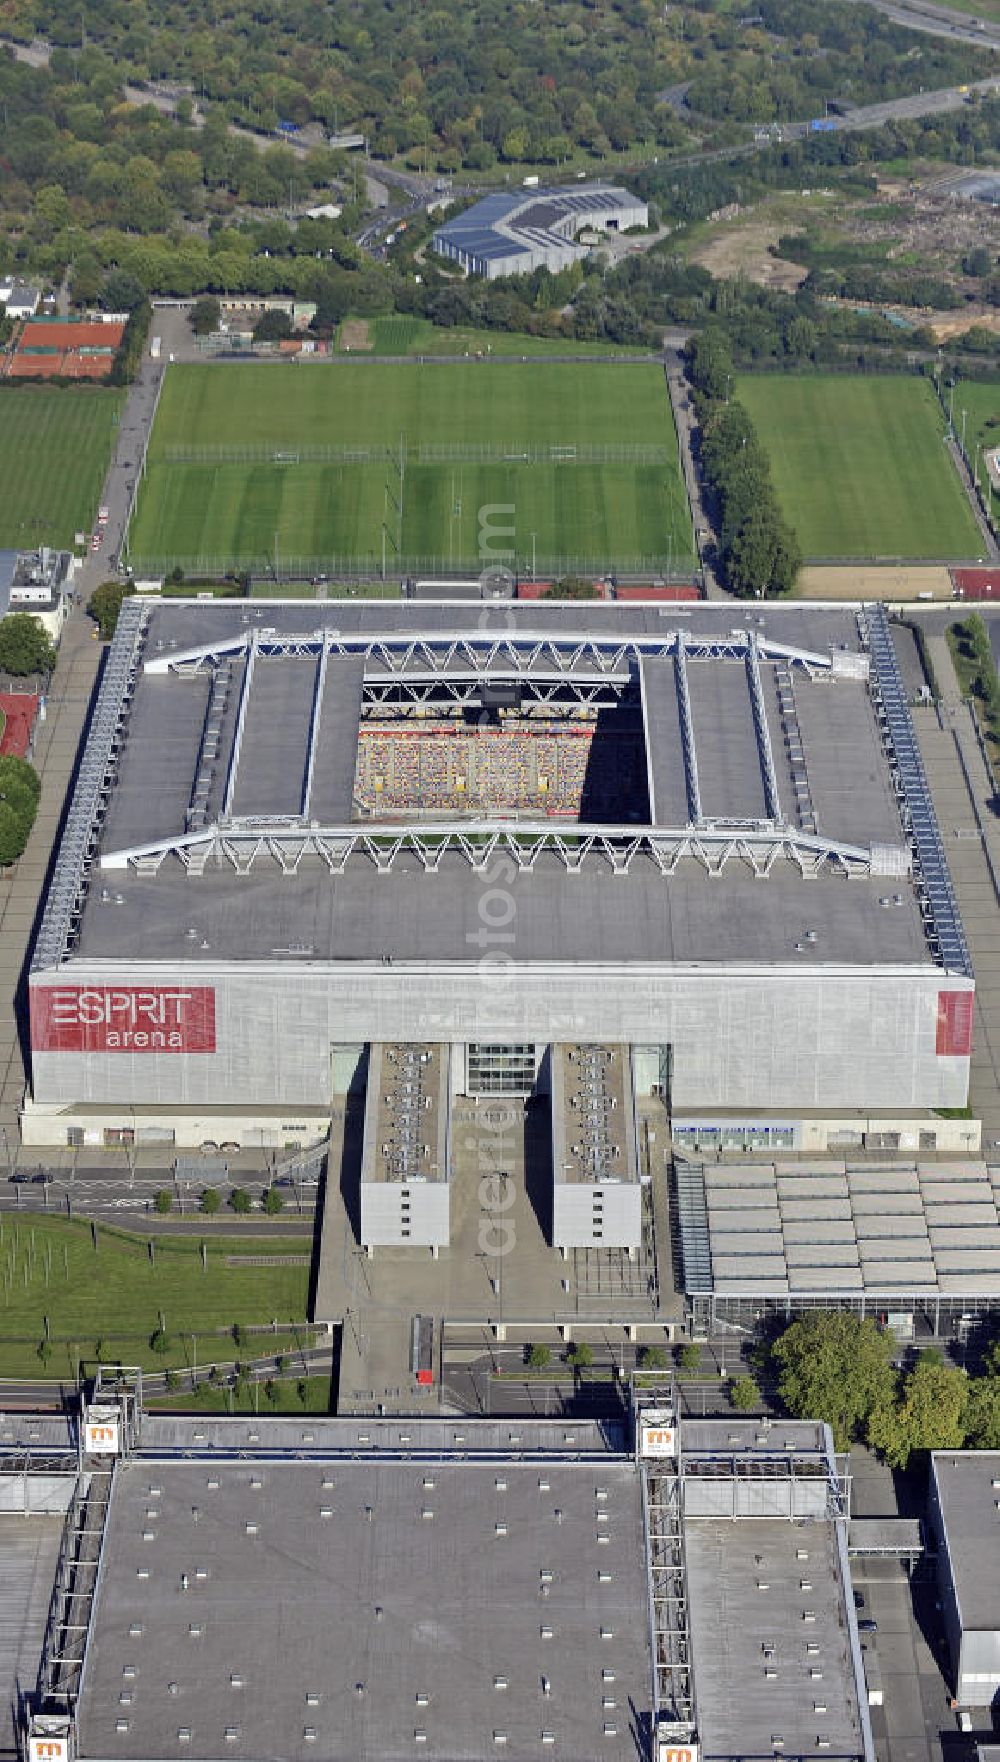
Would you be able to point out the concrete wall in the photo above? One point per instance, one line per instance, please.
(382, 1220)
(829, 1039)
(620, 1214)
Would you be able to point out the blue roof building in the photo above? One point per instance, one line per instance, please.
(513, 232)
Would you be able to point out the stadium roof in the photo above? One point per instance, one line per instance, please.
(220, 767)
(966, 1482)
(509, 223)
(787, 1230)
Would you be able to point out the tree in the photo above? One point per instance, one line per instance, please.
(104, 606)
(652, 1358)
(172, 1380)
(205, 315)
(121, 291)
(744, 1393)
(272, 326)
(240, 1201)
(210, 1201)
(273, 1202)
(580, 1356)
(159, 1341)
(982, 1413)
(835, 1367)
(539, 1356)
(929, 1413)
(689, 1359)
(24, 645)
(164, 1201)
(19, 792)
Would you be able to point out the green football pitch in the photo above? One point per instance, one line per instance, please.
(976, 407)
(55, 444)
(860, 467)
(436, 466)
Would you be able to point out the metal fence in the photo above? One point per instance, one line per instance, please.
(354, 567)
(433, 453)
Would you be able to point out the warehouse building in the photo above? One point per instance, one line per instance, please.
(276, 1588)
(512, 233)
(964, 1513)
(916, 1244)
(301, 830)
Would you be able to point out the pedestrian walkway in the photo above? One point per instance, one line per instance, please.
(963, 793)
(57, 741)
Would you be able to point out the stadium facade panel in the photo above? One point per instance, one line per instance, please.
(301, 829)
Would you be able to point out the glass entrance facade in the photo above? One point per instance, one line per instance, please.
(500, 1070)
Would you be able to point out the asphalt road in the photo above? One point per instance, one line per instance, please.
(940, 21)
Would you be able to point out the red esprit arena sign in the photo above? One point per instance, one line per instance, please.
(954, 1024)
(123, 1018)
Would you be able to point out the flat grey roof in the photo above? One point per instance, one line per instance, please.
(592, 1114)
(163, 1433)
(178, 758)
(369, 1624)
(29, 1550)
(750, 1647)
(406, 1112)
(967, 1498)
(777, 1229)
(410, 915)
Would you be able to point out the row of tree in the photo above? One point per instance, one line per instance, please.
(759, 554)
(834, 1366)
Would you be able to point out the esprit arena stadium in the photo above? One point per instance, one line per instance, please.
(306, 835)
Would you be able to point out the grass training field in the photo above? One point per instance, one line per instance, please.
(115, 1294)
(980, 399)
(202, 508)
(860, 467)
(403, 334)
(55, 444)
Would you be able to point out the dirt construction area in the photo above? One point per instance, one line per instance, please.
(745, 248)
(355, 334)
(847, 582)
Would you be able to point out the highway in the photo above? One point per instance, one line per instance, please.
(940, 21)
